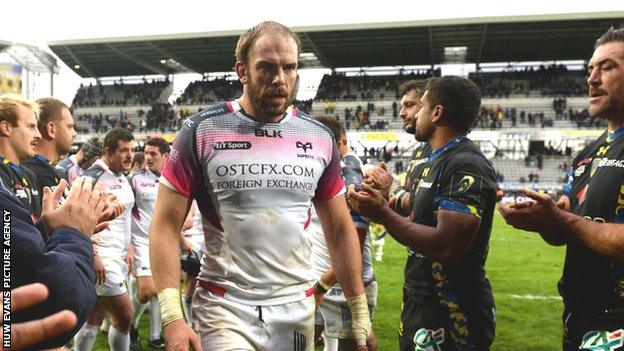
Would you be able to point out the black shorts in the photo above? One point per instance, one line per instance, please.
(433, 325)
(601, 330)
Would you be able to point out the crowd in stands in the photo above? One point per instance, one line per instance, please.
(548, 80)
(210, 91)
(337, 86)
(119, 94)
(101, 123)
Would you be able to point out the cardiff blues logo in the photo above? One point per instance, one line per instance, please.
(428, 340)
(602, 340)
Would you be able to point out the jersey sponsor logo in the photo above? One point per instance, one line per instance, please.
(304, 146)
(259, 132)
(607, 162)
(423, 184)
(580, 196)
(232, 145)
(602, 340)
(264, 169)
(428, 339)
(465, 183)
(579, 171)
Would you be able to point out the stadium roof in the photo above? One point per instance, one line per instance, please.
(471, 40)
(4, 44)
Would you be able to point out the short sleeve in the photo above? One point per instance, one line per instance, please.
(330, 184)
(465, 189)
(182, 172)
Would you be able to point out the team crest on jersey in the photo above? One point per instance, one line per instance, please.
(602, 340)
(428, 340)
(304, 146)
(465, 183)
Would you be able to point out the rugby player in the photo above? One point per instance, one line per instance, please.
(589, 218)
(333, 305)
(448, 303)
(114, 251)
(74, 166)
(56, 126)
(144, 184)
(255, 166)
(18, 138)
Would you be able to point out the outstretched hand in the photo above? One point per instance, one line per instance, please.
(537, 215)
(379, 178)
(367, 202)
(33, 332)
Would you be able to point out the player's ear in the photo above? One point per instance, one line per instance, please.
(241, 71)
(5, 128)
(437, 113)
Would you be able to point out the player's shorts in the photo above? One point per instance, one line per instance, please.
(116, 274)
(593, 330)
(337, 314)
(223, 324)
(428, 327)
(142, 266)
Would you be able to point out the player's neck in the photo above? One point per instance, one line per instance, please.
(7, 153)
(47, 150)
(616, 124)
(250, 109)
(442, 136)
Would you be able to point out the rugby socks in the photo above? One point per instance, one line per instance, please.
(106, 323)
(331, 344)
(85, 338)
(139, 308)
(117, 340)
(155, 320)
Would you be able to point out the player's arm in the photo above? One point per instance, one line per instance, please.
(342, 243)
(178, 182)
(328, 279)
(169, 214)
(445, 243)
(344, 252)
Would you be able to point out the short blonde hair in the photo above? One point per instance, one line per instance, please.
(9, 105)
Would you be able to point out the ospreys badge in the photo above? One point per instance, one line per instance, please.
(602, 340)
(428, 340)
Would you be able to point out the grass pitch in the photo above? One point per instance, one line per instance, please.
(523, 271)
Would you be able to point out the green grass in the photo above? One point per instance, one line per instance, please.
(519, 263)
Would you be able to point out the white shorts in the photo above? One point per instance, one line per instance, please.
(337, 314)
(223, 324)
(142, 266)
(116, 274)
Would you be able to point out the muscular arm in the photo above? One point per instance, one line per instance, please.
(329, 277)
(169, 214)
(445, 243)
(342, 243)
(604, 238)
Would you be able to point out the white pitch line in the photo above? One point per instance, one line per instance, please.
(535, 297)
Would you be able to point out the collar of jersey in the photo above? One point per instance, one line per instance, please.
(15, 167)
(41, 159)
(236, 107)
(446, 147)
(101, 164)
(611, 136)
